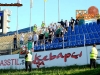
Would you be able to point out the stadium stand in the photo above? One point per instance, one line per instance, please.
(25, 30)
(75, 38)
(90, 31)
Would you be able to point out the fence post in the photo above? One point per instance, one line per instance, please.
(86, 49)
(11, 49)
(44, 44)
(63, 42)
(84, 40)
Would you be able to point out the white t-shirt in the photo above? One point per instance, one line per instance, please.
(51, 26)
(67, 24)
(55, 27)
(35, 37)
(33, 45)
(22, 37)
(30, 37)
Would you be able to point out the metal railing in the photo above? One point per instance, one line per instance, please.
(5, 49)
(69, 39)
(82, 38)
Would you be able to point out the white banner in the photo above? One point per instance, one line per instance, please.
(64, 57)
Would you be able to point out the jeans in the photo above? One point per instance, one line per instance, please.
(28, 64)
(92, 63)
(21, 42)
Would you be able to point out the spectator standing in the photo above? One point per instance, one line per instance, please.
(66, 25)
(51, 33)
(35, 38)
(77, 21)
(15, 41)
(58, 31)
(61, 22)
(98, 21)
(54, 28)
(43, 25)
(30, 42)
(46, 34)
(93, 56)
(72, 23)
(41, 37)
(35, 28)
(49, 28)
(21, 39)
(62, 31)
(30, 37)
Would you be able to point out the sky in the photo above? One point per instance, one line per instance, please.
(67, 10)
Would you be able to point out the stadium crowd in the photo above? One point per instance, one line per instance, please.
(46, 34)
(52, 31)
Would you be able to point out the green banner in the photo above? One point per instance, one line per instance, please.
(29, 46)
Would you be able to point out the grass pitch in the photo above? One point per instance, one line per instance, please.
(70, 70)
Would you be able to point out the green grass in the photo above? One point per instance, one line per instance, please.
(72, 70)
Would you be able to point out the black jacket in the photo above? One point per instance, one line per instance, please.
(62, 23)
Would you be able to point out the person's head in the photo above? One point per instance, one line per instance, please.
(61, 19)
(65, 20)
(15, 33)
(42, 21)
(46, 29)
(51, 24)
(94, 45)
(35, 25)
(71, 17)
